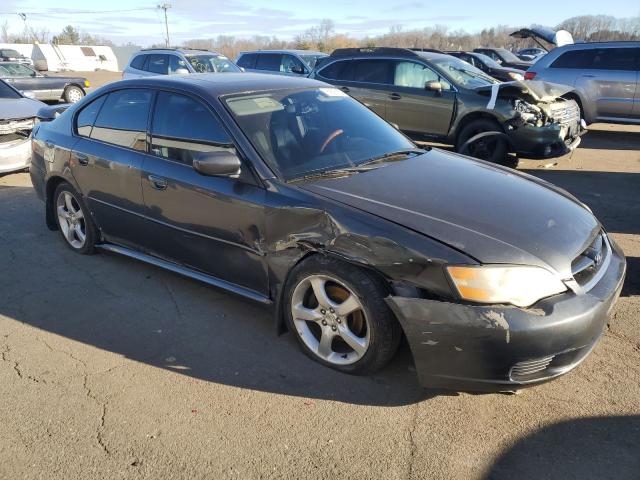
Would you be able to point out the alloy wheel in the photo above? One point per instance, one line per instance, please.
(330, 320)
(71, 219)
(74, 95)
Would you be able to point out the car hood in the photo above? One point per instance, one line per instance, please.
(16, 108)
(538, 90)
(493, 214)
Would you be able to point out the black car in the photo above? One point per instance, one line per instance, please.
(489, 66)
(44, 87)
(504, 57)
(286, 191)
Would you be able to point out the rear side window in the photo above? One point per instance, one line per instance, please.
(340, 70)
(182, 127)
(87, 116)
(138, 62)
(158, 64)
(599, 59)
(373, 71)
(123, 119)
(269, 61)
(247, 60)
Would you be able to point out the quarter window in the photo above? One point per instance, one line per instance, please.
(413, 75)
(87, 116)
(247, 60)
(123, 119)
(138, 62)
(183, 127)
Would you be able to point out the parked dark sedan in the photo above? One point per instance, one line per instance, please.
(489, 66)
(44, 87)
(287, 191)
(504, 57)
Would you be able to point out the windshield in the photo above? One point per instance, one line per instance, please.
(307, 132)
(15, 70)
(212, 63)
(311, 60)
(507, 56)
(7, 92)
(461, 73)
(488, 61)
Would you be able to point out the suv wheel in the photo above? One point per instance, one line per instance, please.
(492, 147)
(74, 220)
(339, 317)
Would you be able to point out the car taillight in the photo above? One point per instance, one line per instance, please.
(529, 75)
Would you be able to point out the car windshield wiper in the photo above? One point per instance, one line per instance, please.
(388, 156)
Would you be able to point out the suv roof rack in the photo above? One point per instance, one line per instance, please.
(391, 51)
(432, 50)
(174, 49)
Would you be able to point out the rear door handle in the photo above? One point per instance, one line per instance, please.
(395, 96)
(82, 159)
(158, 183)
(588, 76)
(345, 89)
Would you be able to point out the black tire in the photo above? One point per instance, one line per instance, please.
(492, 148)
(87, 225)
(73, 94)
(384, 330)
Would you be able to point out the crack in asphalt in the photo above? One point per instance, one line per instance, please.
(412, 442)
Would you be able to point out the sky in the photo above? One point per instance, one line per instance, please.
(188, 19)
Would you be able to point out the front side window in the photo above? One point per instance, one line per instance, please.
(87, 117)
(289, 63)
(157, 64)
(269, 61)
(303, 132)
(7, 92)
(247, 60)
(373, 71)
(183, 127)
(123, 119)
(16, 70)
(176, 63)
(461, 73)
(312, 60)
(208, 63)
(413, 75)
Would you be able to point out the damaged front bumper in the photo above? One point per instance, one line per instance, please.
(15, 154)
(548, 141)
(501, 348)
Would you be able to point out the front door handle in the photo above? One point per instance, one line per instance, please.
(158, 183)
(345, 89)
(395, 96)
(82, 159)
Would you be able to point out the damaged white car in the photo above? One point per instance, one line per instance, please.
(18, 116)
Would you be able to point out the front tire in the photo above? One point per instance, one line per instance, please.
(74, 220)
(73, 94)
(492, 148)
(339, 317)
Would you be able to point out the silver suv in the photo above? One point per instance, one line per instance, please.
(604, 76)
(174, 61)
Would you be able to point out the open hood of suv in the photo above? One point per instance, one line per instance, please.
(493, 214)
(559, 38)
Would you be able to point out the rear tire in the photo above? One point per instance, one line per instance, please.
(492, 148)
(74, 220)
(339, 317)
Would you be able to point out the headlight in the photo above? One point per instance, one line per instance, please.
(516, 76)
(521, 286)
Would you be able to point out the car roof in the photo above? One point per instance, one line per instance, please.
(587, 45)
(298, 52)
(217, 84)
(184, 51)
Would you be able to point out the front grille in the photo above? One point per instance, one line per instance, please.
(566, 112)
(586, 265)
(526, 368)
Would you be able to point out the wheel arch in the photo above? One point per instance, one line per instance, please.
(50, 188)
(470, 117)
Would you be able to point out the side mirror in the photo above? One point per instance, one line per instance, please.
(297, 69)
(181, 71)
(28, 94)
(217, 164)
(433, 87)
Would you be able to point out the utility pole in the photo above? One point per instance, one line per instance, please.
(165, 7)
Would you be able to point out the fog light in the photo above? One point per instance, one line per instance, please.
(547, 150)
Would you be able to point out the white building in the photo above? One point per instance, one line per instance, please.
(80, 58)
